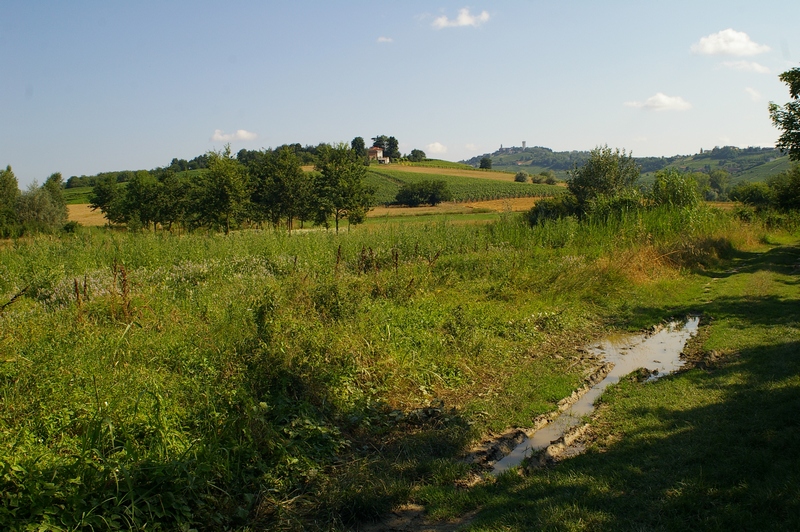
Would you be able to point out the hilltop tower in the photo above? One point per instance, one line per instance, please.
(523, 144)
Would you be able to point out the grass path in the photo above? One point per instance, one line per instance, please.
(713, 448)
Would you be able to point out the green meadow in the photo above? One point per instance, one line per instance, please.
(261, 380)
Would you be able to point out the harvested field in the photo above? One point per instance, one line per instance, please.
(505, 205)
(483, 174)
(84, 215)
(469, 207)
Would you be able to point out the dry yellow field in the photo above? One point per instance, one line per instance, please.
(501, 205)
(483, 174)
(84, 215)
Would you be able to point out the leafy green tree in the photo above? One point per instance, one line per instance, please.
(786, 189)
(758, 194)
(141, 203)
(9, 192)
(173, 200)
(108, 196)
(382, 142)
(37, 211)
(358, 146)
(787, 117)
(521, 177)
(54, 185)
(417, 156)
(606, 173)
(486, 162)
(426, 191)
(281, 190)
(223, 191)
(340, 189)
(719, 181)
(392, 149)
(703, 182)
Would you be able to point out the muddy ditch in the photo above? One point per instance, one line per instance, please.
(650, 355)
(560, 434)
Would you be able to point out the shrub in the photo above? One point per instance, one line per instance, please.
(552, 209)
(606, 173)
(673, 189)
(430, 192)
(606, 206)
(786, 189)
(521, 177)
(757, 195)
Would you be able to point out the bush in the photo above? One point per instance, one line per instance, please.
(786, 189)
(673, 189)
(606, 173)
(757, 195)
(429, 192)
(521, 177)
(607, 206)
(552, 209)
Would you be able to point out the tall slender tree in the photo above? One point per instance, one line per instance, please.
(9, 193)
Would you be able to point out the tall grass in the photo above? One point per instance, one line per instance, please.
(271, 380)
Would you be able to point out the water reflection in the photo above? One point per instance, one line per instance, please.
(659, 353)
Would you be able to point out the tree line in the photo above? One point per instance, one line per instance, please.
(250, 190)
(309, 155)
(36, 209)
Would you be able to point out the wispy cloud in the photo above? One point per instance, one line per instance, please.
(240, 134)
(662, 102)
(746, 66)
(464, 18)
(385, 39)
(729, 42)
(754, 94)
(471, 147)
(436, 147)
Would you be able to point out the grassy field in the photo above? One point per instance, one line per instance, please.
(77, 196)
(712, 448)
(270, 381)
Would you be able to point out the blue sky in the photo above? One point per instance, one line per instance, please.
(90, 86)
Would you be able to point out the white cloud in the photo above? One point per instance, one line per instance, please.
(471, 147)
(662, 102)
(754, 94)
(728, 42)
(385, 39)
(240, 134)
(746, 66)
(464, 18)
(436, 147)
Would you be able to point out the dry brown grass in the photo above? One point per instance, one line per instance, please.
(506, 205)
(483, 174)
(469, 207)
(84, 215)
(645, 265)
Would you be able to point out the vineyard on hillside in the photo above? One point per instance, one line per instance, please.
(386, 183)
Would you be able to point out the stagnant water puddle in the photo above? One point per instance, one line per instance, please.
(659, 353)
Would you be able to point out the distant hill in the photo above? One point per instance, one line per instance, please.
(744, 164)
